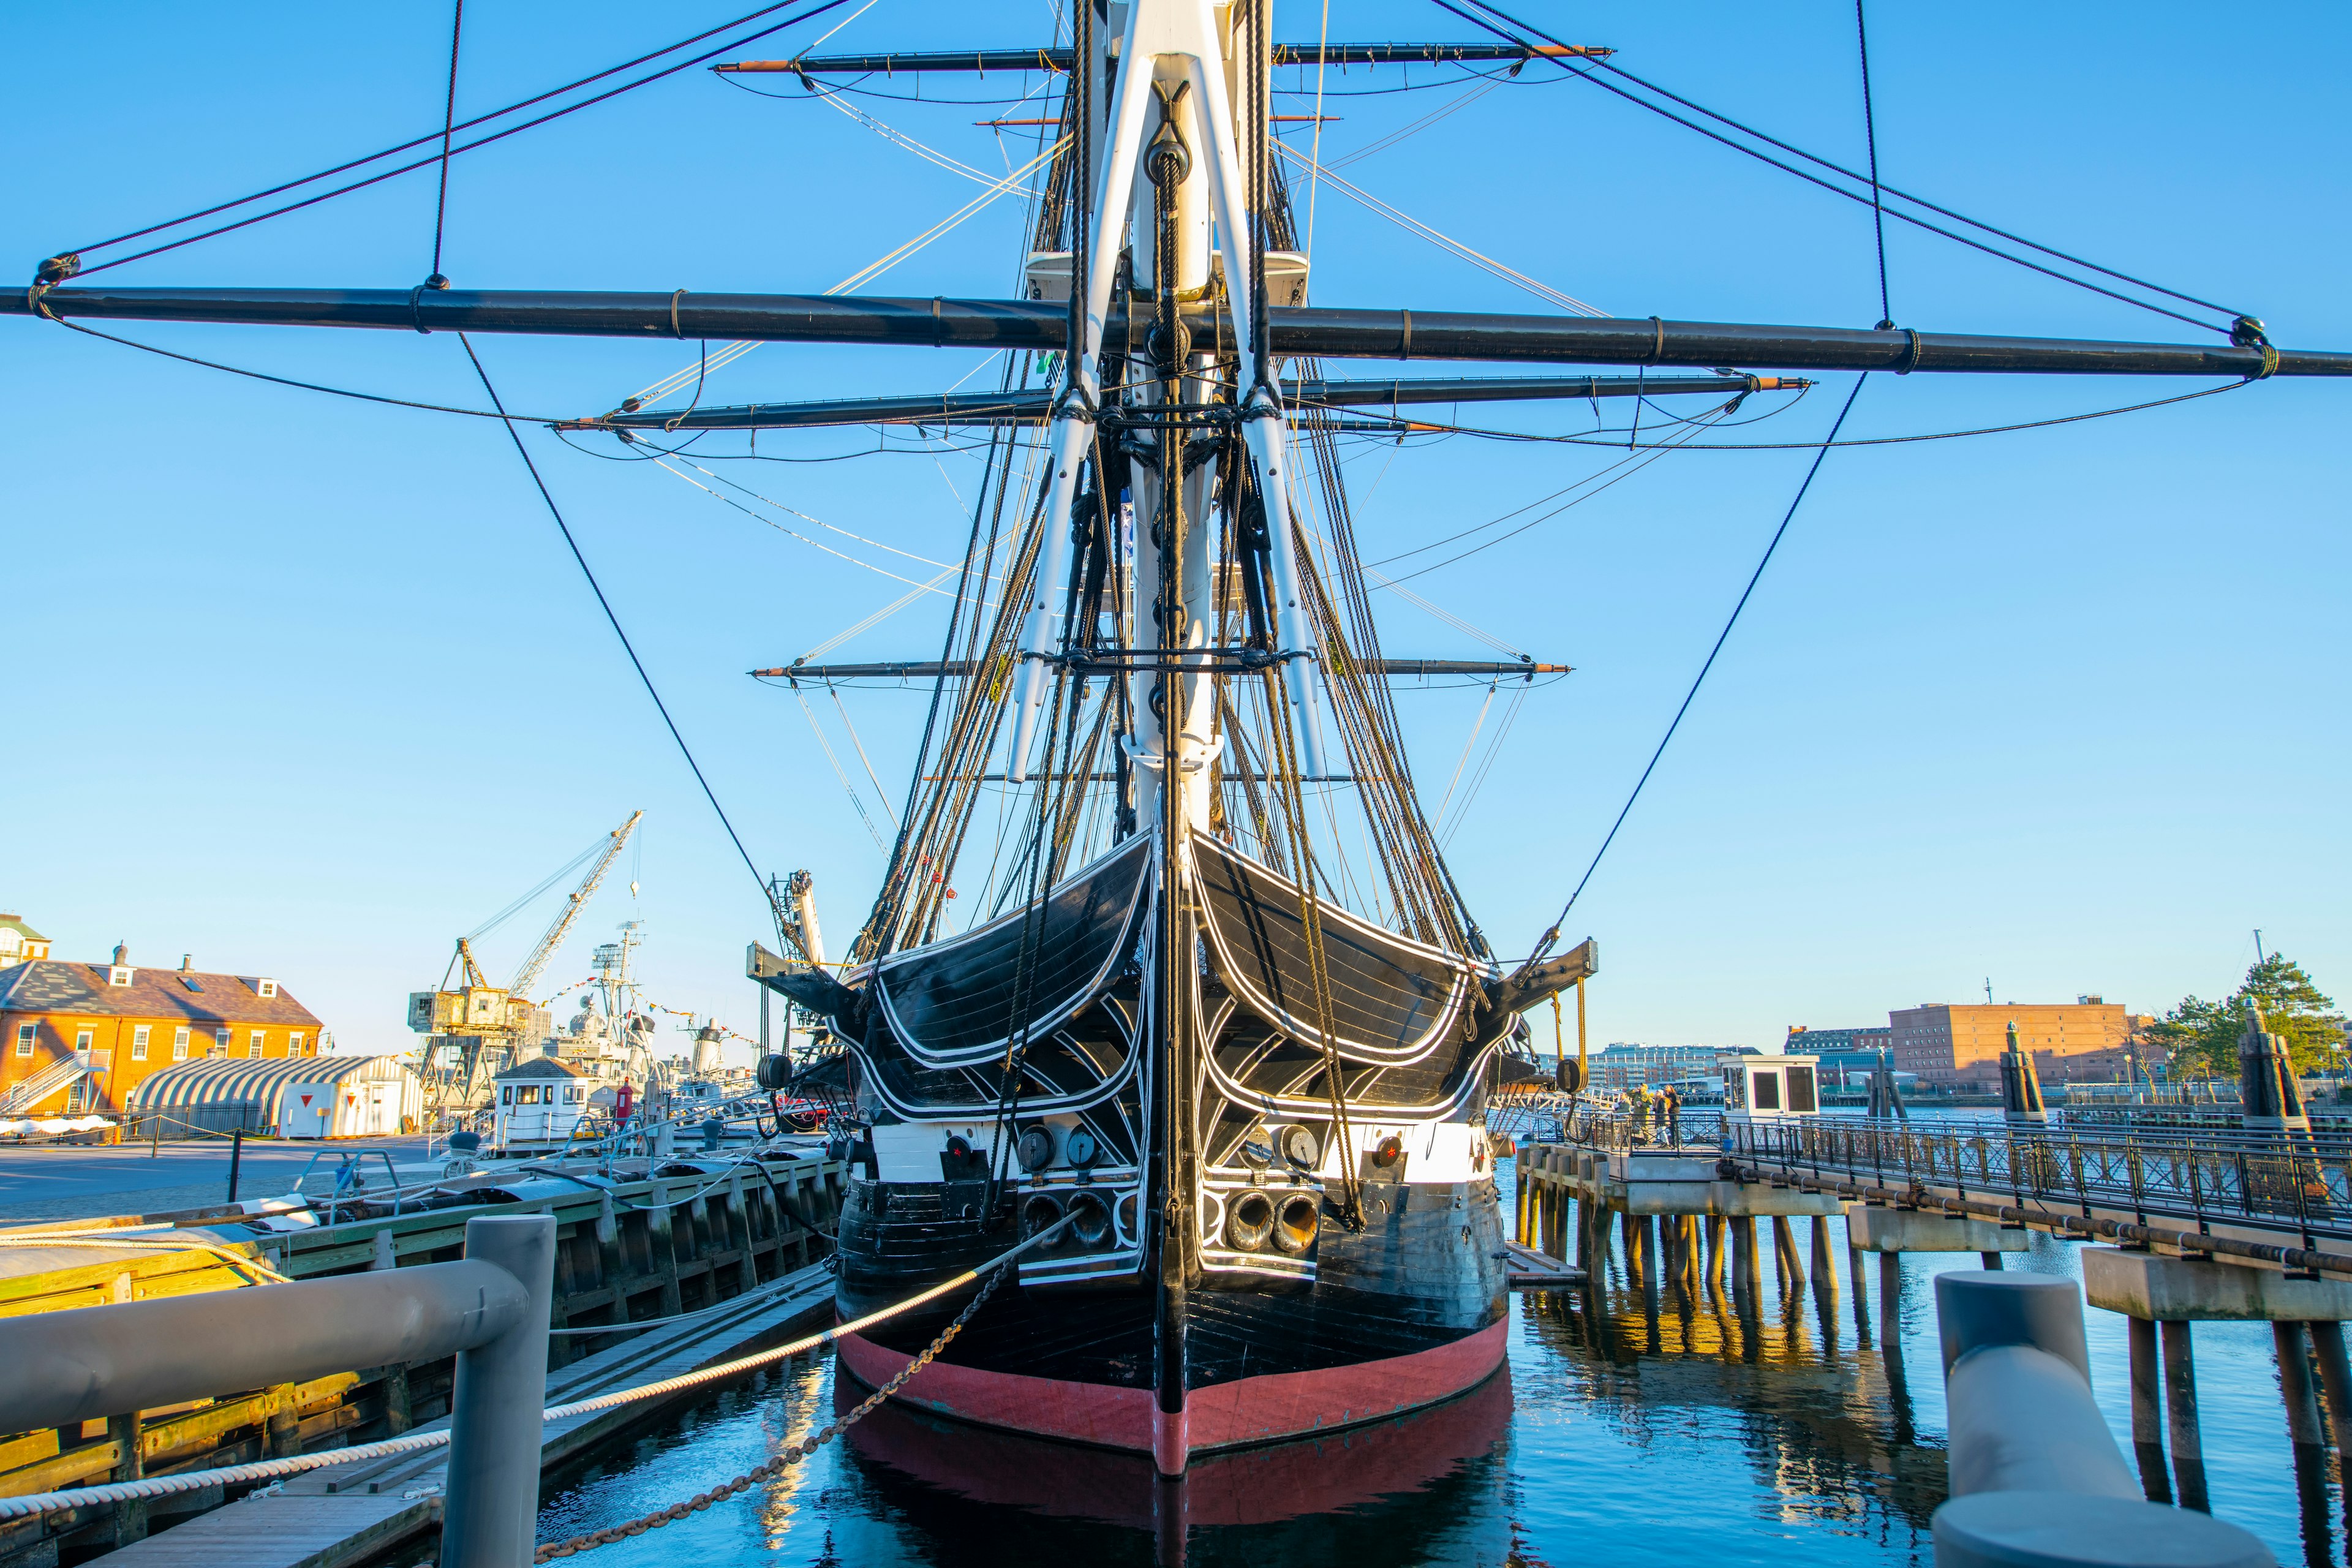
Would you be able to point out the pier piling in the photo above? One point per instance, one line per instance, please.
(1784, 1242)
(2147, 1411)
(2180, 1411)
(2335, 1378)
(2292, 1343)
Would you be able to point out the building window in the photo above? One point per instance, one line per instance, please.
(294, 1045)
(220, 1042)
(139, 1043)
(85, 1039)
(180, 1044)
(253, 1043)
(118, 975)
(25, 1033)
(267, 987)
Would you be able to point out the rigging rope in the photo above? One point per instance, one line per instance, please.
(805, 539)
(35, 1504)
(448, 127)
(1877, 206)
(1858, 441)
(470, 146)
(735, 351)
(1589, 74)
(857, 801)
(877, 618)
(793, 1453)
(1551, 936)
(767, 896)
(1411, 225)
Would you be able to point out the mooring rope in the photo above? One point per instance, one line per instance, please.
(33, 1504)
(792, 1455)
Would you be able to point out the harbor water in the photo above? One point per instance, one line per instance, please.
(1697, 1434)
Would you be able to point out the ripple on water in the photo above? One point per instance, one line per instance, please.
(1698, 1433)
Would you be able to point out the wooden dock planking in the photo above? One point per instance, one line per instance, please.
(282, 1531)
(1533, 1270)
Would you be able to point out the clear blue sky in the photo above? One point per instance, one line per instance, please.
(306, 687)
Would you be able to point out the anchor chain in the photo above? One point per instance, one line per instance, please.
(792, 1454)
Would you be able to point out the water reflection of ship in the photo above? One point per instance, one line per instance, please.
(1425, 1487)
(1825, 1416)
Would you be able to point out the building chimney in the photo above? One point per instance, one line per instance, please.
(121, 953)
(185, 961)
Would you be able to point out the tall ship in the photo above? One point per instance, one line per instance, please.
(1167, 980)
(1242, 1103)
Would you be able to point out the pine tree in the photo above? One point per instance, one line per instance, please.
(2202, 1036)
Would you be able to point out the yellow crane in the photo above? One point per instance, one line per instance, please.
(488, 1022)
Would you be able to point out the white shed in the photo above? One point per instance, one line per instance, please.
(1768, 1089)
(297, 1097)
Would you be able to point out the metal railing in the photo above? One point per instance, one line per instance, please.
(2300, 1182)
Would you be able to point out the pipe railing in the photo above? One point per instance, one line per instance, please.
(2035, 1474)
(490, 1311)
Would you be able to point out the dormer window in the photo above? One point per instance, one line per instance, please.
(266, 987)
(119, 974)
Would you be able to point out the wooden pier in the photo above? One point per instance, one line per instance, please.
(2198, 1228)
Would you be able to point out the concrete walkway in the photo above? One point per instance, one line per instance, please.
(40, 1182)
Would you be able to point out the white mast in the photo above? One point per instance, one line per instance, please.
(1167, 42)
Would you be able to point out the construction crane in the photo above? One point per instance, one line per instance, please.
(528, 975)
(488, 1023)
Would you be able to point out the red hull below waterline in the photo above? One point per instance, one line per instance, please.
(1269, 1408)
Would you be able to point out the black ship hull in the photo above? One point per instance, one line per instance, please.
(1406, 1312)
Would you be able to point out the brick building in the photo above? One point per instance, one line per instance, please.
(93, 1031)
(1959, 1045)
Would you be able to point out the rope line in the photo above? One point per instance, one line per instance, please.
(1414, 226)
(421, 140)
(728, 355)
(606, 605)
(1821, 446)
(282, 380)
(448, 128)
(1877, 205)
(1588, 74)
(792, 1454)
(33, 1504)
(1552, 935)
